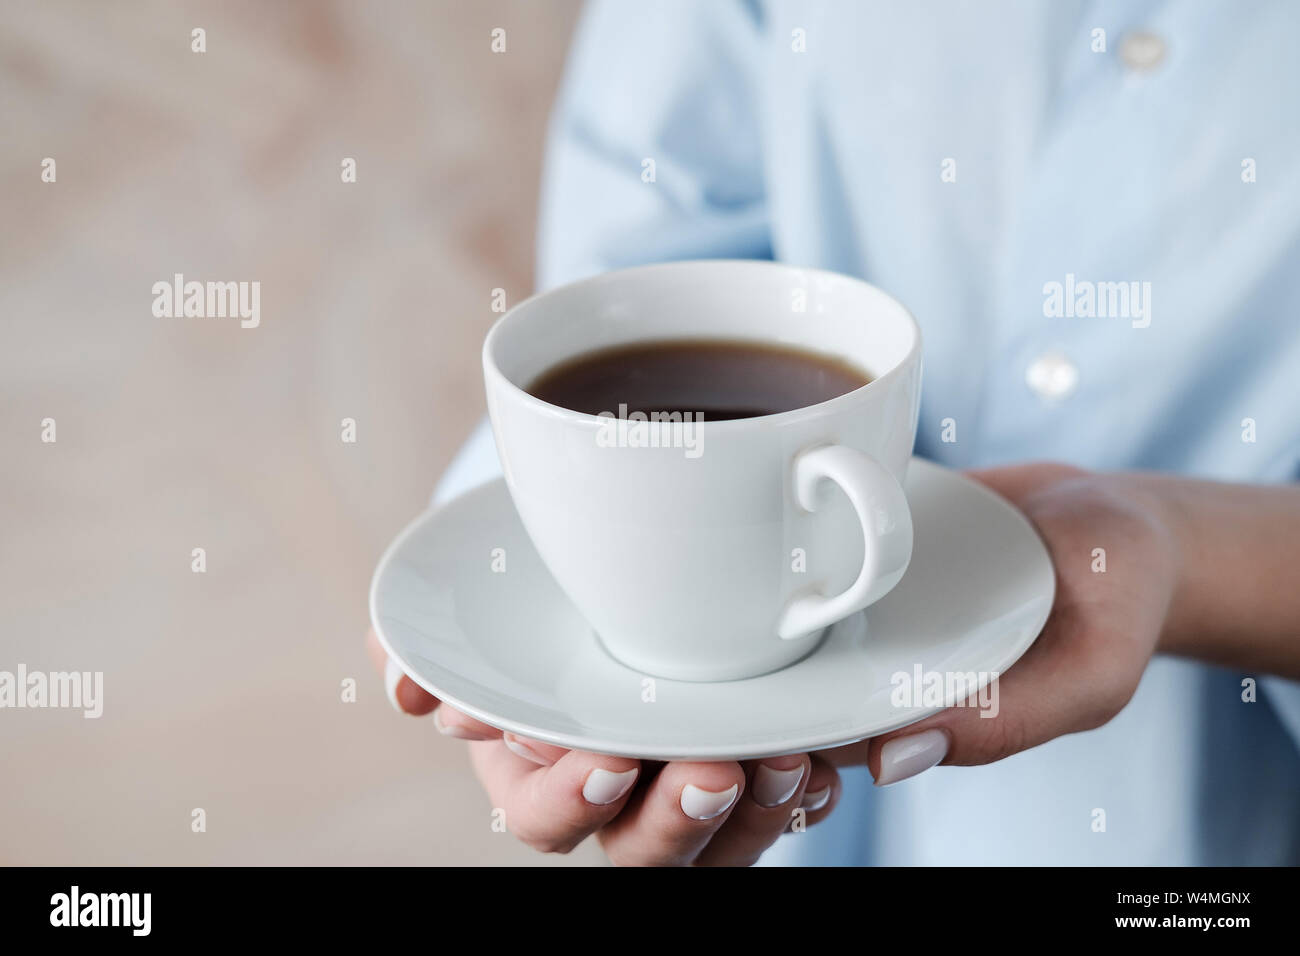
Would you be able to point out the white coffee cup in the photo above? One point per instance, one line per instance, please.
(727, 550)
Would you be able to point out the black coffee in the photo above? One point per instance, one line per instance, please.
(719, 379)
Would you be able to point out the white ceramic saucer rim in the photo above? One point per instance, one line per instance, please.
(707, 752)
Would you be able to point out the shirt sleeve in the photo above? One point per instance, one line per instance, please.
(655, 149)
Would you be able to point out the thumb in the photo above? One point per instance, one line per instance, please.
(1050, 692)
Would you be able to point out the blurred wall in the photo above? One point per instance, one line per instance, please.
(222, 689)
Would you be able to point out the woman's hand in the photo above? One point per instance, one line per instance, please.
(1143, 563)
(674, 814)
(1104, 627)
(1076, 676)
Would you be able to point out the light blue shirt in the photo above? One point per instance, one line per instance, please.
(965, 157)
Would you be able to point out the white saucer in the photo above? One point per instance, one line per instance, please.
(508, 647)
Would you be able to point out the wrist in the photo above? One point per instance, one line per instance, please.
(1159, 497)
(1230, 549)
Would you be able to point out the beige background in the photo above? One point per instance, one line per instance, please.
(223, 689)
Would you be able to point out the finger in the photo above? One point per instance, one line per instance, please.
(774, 788)
(409, 697)
(543, 755)
(1063, 684)
(404, 694)
(820, 794)
(554, 808)
(669, 822)
(450, 722)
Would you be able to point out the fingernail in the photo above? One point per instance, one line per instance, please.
(774, 787)
(905, 757)
(603, 787)
(706, 804)
(519, 748)
(460, 733)
(816, 799)
(392, 674)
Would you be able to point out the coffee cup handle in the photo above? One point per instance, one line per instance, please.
(886, 521)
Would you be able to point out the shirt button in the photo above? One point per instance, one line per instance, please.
(1141, 50)
(1052, 375)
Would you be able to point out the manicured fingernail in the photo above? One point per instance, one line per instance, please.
(460, 733)
(706, 804)
(815, 799)
(392, 674)
(905, 757)
(603, 787)
(521, 749)
(774, 787)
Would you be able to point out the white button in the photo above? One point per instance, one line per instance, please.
(1052, 375)
(1141, 51)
